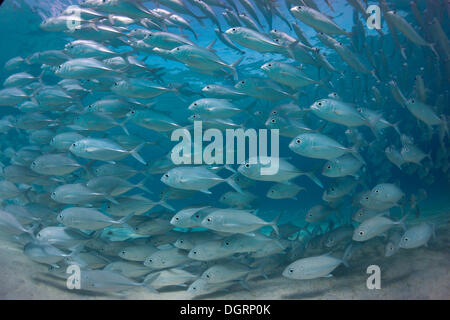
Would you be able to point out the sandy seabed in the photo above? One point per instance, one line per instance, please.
(422, 273)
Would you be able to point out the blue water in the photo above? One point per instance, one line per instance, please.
(20, 35)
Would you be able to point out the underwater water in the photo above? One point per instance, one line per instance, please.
(94, 207)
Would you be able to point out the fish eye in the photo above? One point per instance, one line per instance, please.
(227, 243)
(361, 233)
(367, 198)
(207, 87)
(413, 101)
(234, 29)
(242, 81)
(291, 270)
(178, 49)
(406, 239)
(360, 214)
(319, 104)
(273, 121)
(209, 219)
(269, 64)
(272, 191)
(207, 276)
(166, 175)
(274, 112)
(150, 260)
(177, 218)
(329, 167)
(195, 103)
(376, 191)
(194, 252)
(194, 288)
(332, 189)
(298, 141)
(247, 165)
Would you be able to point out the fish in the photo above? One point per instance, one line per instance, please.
(237, 221)
(417, 236)
(195, 178)
(88, 218)
(102, 149)
(89, 176)
(375, 226)
(320, 146)
(315, 267)
(168, 258)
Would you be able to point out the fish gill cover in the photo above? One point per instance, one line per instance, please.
(222, 146)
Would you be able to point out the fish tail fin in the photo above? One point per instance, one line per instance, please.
(374, 75)
(395, 127)
(124, 221)
(290, 48)
(111, 199)
(313, 177)
(347, 255)
(134, 153)
(141, 185)
(233, 67)
(76, 249)
(31, 230)
(401, 222)
(354, 151)
(274, 226)
(233, 184)
(433, 48)
(164, 204)
(122, 125)
(87, 168)
(40, 77)
(229, 168)
(146, 283)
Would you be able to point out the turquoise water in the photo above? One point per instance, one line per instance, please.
(424, 184)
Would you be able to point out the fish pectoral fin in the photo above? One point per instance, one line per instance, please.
(205, 191)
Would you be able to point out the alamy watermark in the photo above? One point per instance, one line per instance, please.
(214, 152)
(374, 18)
(74, 278)
(374, 280)
(75, 12)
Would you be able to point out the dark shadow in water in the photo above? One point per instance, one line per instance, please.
(50, 281)
(388, 282)
(172, 289)
(304, 295)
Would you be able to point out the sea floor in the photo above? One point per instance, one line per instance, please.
(422, 273)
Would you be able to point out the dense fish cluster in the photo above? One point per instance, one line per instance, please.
(87, 177)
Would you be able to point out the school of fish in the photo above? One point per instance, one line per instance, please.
(86, 173)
